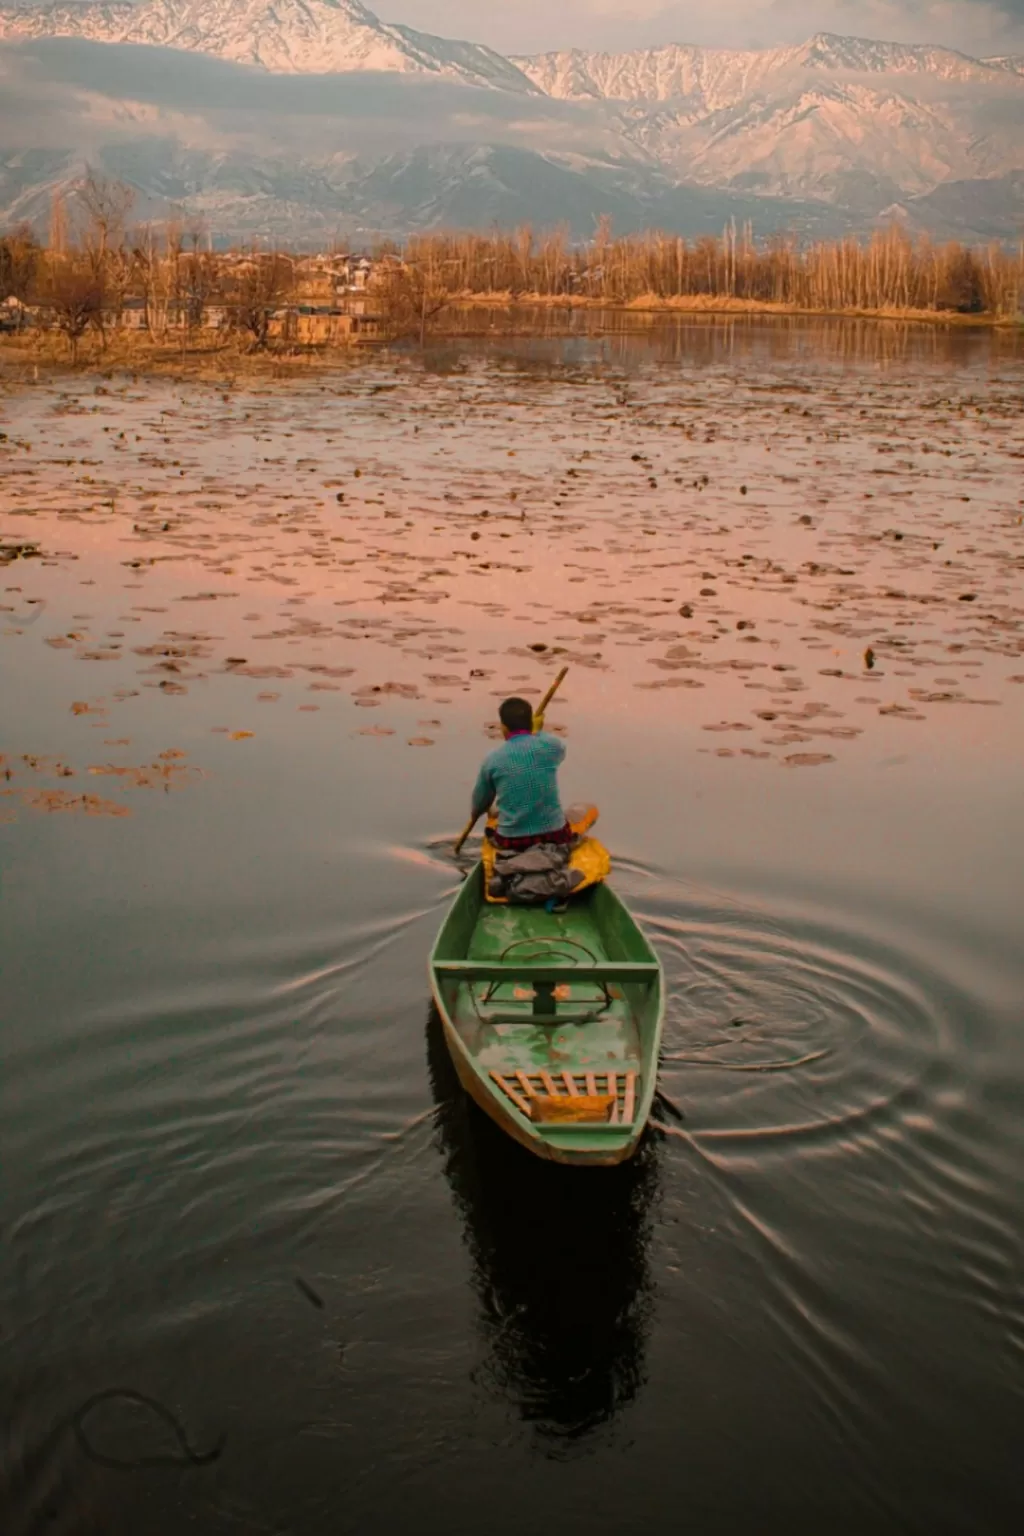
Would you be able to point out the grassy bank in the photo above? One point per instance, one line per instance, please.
(708, 304)
(215, 359)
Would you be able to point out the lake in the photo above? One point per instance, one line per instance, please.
(264, 1269)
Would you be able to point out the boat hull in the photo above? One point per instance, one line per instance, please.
(535, 1004)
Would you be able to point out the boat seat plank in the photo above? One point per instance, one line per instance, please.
(517, 1098)
(536, 1095)
(526, 971)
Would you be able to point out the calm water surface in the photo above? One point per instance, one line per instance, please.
(263, 1268)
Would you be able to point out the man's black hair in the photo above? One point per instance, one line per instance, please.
(516, 715)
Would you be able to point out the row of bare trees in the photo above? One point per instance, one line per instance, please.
(96, 264)
(889, 271)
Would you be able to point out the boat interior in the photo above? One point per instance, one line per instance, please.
(561, 1050)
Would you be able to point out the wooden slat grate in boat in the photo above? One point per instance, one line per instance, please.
(523, 1087)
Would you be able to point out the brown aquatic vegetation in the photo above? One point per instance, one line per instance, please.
(64, 800)
(747, 539)
(168, 771)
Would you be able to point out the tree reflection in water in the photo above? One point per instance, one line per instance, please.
(560, 1264)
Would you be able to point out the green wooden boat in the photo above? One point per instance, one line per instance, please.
(553, 1020)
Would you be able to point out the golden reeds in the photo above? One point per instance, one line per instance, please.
(886, 273)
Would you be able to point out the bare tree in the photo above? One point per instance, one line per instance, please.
(19, 261)
(198, 279)
(156, 255)
(411, 294)
(107, 204)
(887, 273)
(964, 285)
(145, 258)
(260, 284)
(73, 292)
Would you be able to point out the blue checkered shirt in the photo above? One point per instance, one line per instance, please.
(522, 775)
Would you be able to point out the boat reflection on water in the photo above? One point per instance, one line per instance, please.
(560, 1264)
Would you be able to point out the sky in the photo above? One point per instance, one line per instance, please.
(530, 26)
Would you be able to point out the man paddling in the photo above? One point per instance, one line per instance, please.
(524, 722)
(522, 776)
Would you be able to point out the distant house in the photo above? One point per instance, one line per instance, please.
(350, 274)
(14, 315)
(134, 315)
(362, 271)
(138, 314)
(318, 325)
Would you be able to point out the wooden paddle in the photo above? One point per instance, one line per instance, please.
(538, 715)
(546, 700)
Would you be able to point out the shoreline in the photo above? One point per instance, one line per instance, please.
(700, 304)
(222, 361)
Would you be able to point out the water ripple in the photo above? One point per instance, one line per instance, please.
(799, 1034)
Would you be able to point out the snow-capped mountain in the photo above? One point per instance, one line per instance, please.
(822, 138)
(838, 129)
(1012, 62)
(709, 79)
(303, 200)
(286, 36)
(840, 118)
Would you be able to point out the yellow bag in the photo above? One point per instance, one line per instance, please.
(590, 857)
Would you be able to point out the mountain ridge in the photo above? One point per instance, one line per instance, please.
(281, 36)
(720, 75)
(323, 36)
(850, 126)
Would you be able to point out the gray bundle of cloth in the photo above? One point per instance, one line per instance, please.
(535, 875)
